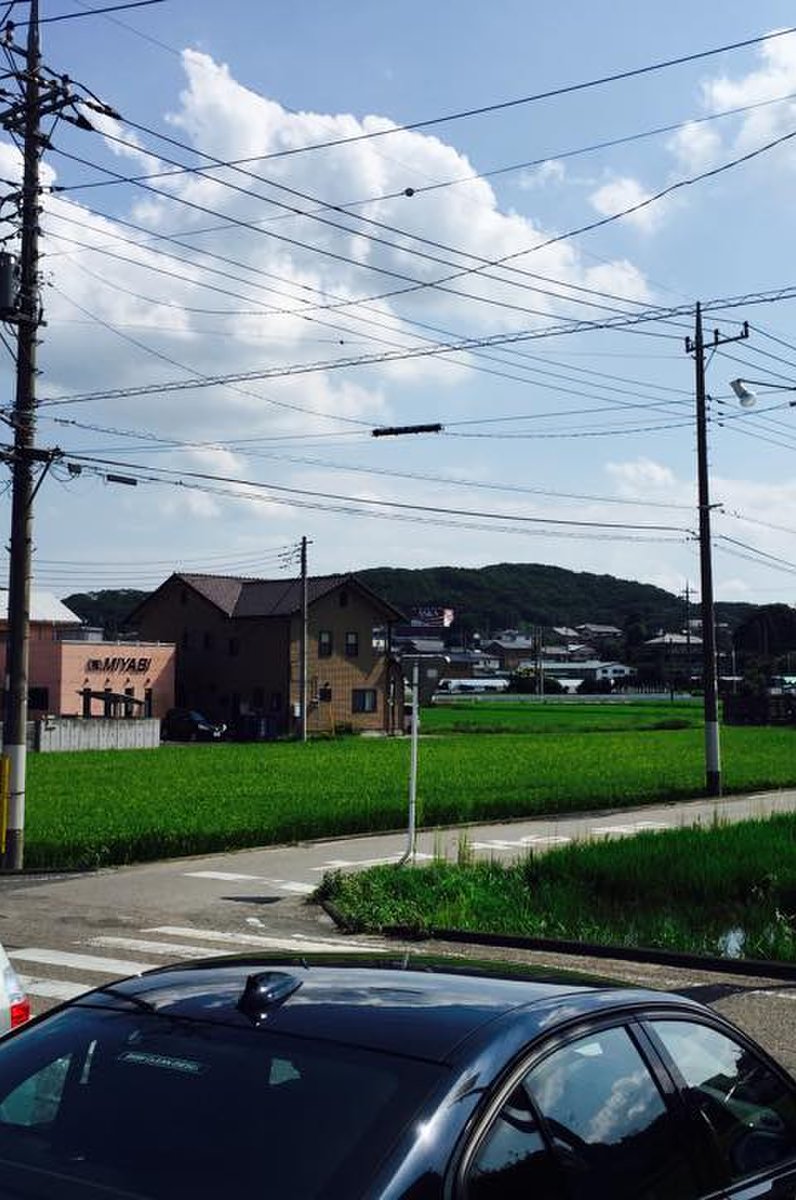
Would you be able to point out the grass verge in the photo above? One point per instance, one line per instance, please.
(717, 890)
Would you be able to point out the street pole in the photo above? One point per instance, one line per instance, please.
(304, 640)
(709, 664)
(24, 416)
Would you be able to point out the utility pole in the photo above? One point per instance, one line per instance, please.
(304, 640)
(709, 664)
(42, 93)
(24, 420)
(687, 597)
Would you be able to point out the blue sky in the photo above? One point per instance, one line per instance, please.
(576, 449)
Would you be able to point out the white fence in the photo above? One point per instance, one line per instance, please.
(50, 734)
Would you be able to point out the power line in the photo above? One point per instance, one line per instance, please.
(464, 344)
(204, 476)
(552, 93)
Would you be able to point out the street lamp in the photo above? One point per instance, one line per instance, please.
(748, 398)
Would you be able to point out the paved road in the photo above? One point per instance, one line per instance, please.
(66, 933)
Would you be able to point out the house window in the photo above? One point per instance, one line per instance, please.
(325, 693)
(39, 698)
(234, 647)
(363, 700)
(325, 643)
(344, 599)
(351, 644)
(275, 702)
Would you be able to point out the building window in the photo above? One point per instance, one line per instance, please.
(234, 647)
(325, 643)
(363, 700)
(352, 644)
(325, 693)
(39, 698)
(275, 702)
(344, 599)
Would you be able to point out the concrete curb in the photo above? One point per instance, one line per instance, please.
(760, 968)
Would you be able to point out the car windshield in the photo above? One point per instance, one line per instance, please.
(136, 1104)
(197, 716)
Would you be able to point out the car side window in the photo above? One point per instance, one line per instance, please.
(749, 1108)
(512, 1160)
(608, 1122)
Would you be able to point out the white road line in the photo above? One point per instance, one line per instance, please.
(140, 946)
(295, 943)
(52, 989)
(79, 962)
(225, 876)
(298, 889)
(338, 864)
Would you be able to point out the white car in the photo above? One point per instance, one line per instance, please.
(14, 1004)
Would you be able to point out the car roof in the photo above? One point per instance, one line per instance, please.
(423, 1012)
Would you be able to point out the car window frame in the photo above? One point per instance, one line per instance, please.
(632, 1021)
(722, 1180)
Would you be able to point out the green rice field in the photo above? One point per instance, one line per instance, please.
(95, 808)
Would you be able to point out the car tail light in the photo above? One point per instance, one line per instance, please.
(18, 1002)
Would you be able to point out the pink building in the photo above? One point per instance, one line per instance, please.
(71, 675)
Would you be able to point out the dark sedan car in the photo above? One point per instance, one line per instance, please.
(340, 1082)
(187, 725)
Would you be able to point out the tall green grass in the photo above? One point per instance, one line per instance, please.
(697, 889)
(95, 808)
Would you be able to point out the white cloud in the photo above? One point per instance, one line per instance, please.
(695, 146)
(550, 172)
(622, 193)
(774, 77)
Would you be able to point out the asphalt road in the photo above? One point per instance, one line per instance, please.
(66, 933)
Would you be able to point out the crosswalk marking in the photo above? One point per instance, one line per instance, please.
(51, 989)
(297, 943)
(79, 962)
(285, 885)
(141, 946)
(224, 876)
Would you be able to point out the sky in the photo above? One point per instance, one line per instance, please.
(296, 230)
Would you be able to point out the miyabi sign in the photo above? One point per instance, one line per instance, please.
(118, 663)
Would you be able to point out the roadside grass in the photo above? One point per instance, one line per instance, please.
(719, 889)
(555, 716)
(99, 808)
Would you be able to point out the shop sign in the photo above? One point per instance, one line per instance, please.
(117, 663)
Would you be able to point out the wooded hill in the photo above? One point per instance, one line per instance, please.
(510, 595)
(503, 596)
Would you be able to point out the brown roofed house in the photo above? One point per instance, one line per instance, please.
(239, 651)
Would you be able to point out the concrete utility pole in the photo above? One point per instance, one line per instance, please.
(303, 644)
(24, 420)
(709, 662)
(42, 93)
